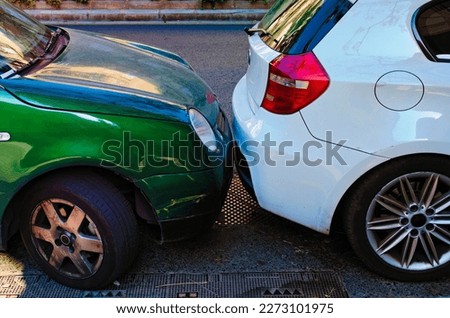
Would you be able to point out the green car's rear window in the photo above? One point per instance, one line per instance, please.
(296, 26)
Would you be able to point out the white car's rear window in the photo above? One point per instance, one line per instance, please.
(296, 26)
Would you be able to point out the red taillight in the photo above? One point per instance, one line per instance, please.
(294, 82)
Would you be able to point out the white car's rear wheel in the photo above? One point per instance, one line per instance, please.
(398, 220)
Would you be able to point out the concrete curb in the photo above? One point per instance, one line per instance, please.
(144, 16)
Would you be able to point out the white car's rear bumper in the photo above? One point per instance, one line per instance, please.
(293, 174)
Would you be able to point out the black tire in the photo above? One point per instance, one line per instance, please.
(79, 229)
(397, 219)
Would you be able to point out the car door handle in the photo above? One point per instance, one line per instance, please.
(4, 136)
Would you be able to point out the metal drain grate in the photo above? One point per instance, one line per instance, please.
(105, 294)
(325, 284)
(30, 286)
(11, 286)
(240, 208)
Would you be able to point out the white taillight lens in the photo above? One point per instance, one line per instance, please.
(294, 82)
(203, 129)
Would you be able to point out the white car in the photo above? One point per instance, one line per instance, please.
(344, 115)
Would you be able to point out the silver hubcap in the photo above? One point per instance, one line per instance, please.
(66, 238)
(408, 222)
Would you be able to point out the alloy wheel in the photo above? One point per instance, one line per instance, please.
(408, 221)
(66, 238)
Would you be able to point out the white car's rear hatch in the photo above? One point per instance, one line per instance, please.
(283, 74)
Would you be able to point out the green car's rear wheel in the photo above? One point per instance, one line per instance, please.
(79, 229)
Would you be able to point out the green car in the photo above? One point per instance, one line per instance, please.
(95, 134)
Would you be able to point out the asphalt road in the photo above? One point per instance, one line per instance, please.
(271, 244)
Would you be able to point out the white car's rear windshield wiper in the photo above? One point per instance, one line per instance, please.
(251, 31)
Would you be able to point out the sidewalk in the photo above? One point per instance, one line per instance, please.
(149, 11)
(147, 16)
